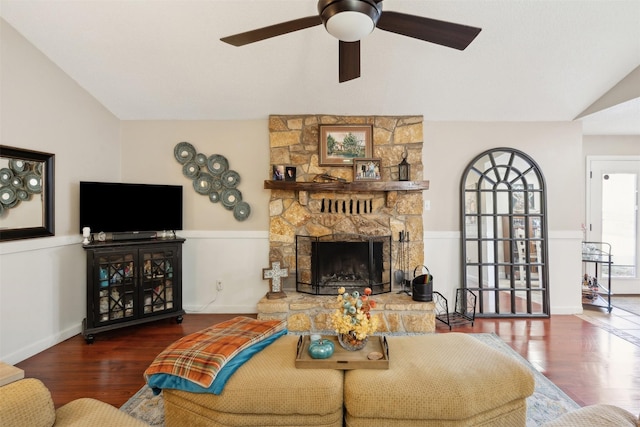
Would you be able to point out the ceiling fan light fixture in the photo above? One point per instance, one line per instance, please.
(349, 26)
(349, 20)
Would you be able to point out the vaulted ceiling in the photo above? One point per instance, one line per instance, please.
(534, 60)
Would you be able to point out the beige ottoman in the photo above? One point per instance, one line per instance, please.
(439, 380)
(268, 390)
(600, 415)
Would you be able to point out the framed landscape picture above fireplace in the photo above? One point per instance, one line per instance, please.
(340, 145)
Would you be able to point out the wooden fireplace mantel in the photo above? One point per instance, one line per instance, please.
(348, 187)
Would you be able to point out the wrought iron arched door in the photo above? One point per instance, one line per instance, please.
(504, 234)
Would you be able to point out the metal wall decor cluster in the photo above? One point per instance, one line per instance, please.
(212, 177)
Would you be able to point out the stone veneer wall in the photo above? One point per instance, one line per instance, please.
(293, 141)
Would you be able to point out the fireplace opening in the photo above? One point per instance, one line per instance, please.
(353, 261)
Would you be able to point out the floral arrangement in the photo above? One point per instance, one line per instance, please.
(353, 314)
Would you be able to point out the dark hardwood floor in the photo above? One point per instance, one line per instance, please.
(588, 363)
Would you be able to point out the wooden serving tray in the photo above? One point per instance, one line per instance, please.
(344, 359)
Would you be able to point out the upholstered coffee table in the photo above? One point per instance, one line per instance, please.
(439, 380)
(448, 379)
(268, 390)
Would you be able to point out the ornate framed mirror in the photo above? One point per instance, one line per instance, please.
(26, 193)
(504, 234)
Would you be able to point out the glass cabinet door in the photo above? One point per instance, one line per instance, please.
(156, 281)
(116, 287)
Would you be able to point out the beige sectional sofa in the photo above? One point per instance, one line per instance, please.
(597, 416)
(28, 402)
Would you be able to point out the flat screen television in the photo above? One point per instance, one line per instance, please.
(120, 207)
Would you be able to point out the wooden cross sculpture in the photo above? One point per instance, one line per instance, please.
(275, 284)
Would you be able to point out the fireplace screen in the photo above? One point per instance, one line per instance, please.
(352, 261)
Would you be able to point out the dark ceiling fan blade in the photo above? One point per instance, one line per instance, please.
(443, 33)
(252, 36)
(349, 59)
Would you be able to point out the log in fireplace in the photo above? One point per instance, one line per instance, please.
(353, 261)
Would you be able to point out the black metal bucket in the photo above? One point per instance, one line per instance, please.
(422, 285)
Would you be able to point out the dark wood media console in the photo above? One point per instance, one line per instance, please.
(132, 282)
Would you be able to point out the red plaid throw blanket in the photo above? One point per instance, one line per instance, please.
(198, 357)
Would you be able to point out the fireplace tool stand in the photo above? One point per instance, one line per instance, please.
(403, 255)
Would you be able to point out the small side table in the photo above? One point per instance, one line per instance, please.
(9, 374)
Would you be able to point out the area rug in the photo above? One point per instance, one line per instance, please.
(546, 403)
(611, 329)
(630, 303)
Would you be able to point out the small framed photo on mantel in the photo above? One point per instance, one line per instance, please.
(340, 145)
(366, 170)
(290, 173)
(277, 172)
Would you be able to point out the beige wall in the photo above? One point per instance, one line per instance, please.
(42, 281)
(148, 157)
(45, 110)
(555, 146)
(611, 145)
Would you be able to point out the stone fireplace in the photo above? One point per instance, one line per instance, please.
(314, 208)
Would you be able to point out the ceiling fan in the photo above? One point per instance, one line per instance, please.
(350, 20)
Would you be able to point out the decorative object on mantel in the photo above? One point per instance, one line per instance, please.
(278, 172)
(352, 319)
(325, 177)
(404, 168)
(290, 174)
(366, 169)
(339, 145)
(212, 177)
(275, 283)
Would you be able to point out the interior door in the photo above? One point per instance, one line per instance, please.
(613, 215)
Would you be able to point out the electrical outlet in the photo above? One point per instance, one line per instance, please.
(219, 284)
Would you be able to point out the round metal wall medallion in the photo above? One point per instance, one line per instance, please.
(217, 164)
(184, 152)
(191, 170)
(242, 211)
(202, 184)
(231, 179)
(230, 198)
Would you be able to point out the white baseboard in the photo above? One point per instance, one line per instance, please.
(41, 345)
(227, 309)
